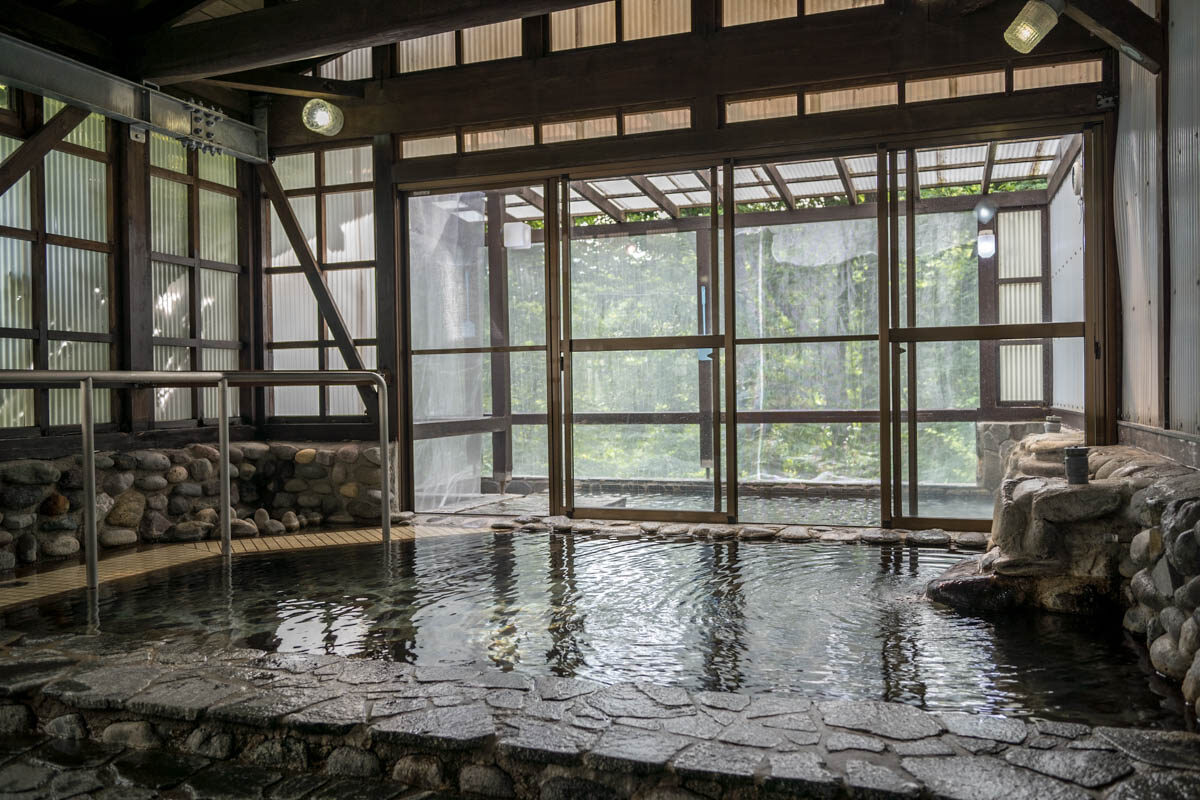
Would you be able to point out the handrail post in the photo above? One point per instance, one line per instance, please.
(223, 443)
(385, 460)
(88, 436)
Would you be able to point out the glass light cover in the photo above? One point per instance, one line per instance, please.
(323, 117)
(1032, 24)
(985, 210)
(987, 244)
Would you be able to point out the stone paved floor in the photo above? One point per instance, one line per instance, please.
(247, 724)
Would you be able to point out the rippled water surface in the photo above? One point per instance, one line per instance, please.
(828, 620)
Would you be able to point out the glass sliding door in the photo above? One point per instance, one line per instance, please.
(643, 376)
(987, 316)
(477, 288)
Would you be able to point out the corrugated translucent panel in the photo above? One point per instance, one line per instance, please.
(218, 305)
(172, 295)
(826, 6)
(1067, 261)
(352, 66)
(16, 405)
(353, 291)
(167, 153)
(218, 227)
(1058, 75)
(1021, 373)
(443, 145)
(90, 133)
(220, 169)
(1183, 185)
(345, 400)
(586, 26)
(296, 171)
(848, 99)
(77, 291)
(4, 96)
(427, 52)
(668, 119)
(305, 209)
(954, 86)
(1020, 303)
(521, 136)
(575, 130)
(16, 284)
(172, 402)
(76, 197)
(742, 12)
(761, 108)
(295, 401)
(642, 19)
(64, 403)
(1140, 295)
(490, 42)
(168, 217)
(220, 359)
(349, 165)
(293, 309)
(1019, 244)
(14, 204)
(349, 226)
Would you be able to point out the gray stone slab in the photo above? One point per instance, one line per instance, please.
(698, 726)
(893, 720)
(452, 728)
(295, 787)
(802, 774)
(719, 761)
(334, 717)
(103, 688)
(564, 688)
(665, 695)
(544, 743)
(22, 776)
(877, 782)
(750, 734)
(923, 747)
(727, 701)
(73, 754)
(628, 750)
(623, 700)
(22, 673)
(157, 769)
(356, 789)
(791, 722)
(268, 706)
(836, 742)
(986, 778)
(225, 781)
(1158, 786)
(184, 699)
(771, 705)
(1161, 748)
(1067, 730)
(1087, 768)
(980, 726)
(76, 783)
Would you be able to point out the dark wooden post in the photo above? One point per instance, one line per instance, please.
(134, 276)
(501, 365)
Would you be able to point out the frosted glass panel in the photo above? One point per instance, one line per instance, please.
(218, 305)
(305, 209)
(490, 42)
(172, 402)
(293, 309)
(16, 284)
(16, 405)
(218, 169)
(14, 204)
(76, 197)
(645, 18)
(353, 292)
(218, 227)
(292, 401)
(220, 360)
(167, 153)
(64, 403)
(168, 217)
(171, 300)
(352, 165)
(345, 400)
(349, 226)
(427, 52)
(296, 172)
(89, 133)
(77, 290)
(586, 26)
(352, 66)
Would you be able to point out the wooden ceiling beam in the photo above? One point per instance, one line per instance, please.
(989, 164)
(532, 197)
(1124, 26)
(844, 176)
(308, 28)
(33, 149)
(656, 195)
(598, 200)
(280, 81)
(162, 14)
(781, 187)
(54, 32)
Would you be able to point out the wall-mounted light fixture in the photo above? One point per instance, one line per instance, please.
(323, 117)
(1036, 19)
(987, 243)
(518, 236)
(985, 211)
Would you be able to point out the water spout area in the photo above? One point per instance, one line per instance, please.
(826, 620)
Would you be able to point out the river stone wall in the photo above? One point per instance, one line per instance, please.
(172, 495)
(1128, 541)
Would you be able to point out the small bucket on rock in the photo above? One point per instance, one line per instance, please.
(1052, 424)
(1076, 461)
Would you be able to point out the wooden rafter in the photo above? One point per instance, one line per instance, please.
(785, 194)
(307, 28)
(656, 195)
(316, 281)
(165, 13)
(1062, 165)
(42, 28)
(1121, 24)
(988, 165)
(33, 149)
(280, 81)
(531, 197)
(598, 200)
(844, 175)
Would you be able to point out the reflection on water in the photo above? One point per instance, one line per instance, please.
(828, 620)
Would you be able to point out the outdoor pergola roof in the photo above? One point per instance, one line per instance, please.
(792, 182)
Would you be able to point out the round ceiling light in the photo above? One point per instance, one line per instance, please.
(323, 117)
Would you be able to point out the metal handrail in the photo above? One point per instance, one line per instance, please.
(87, 381)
